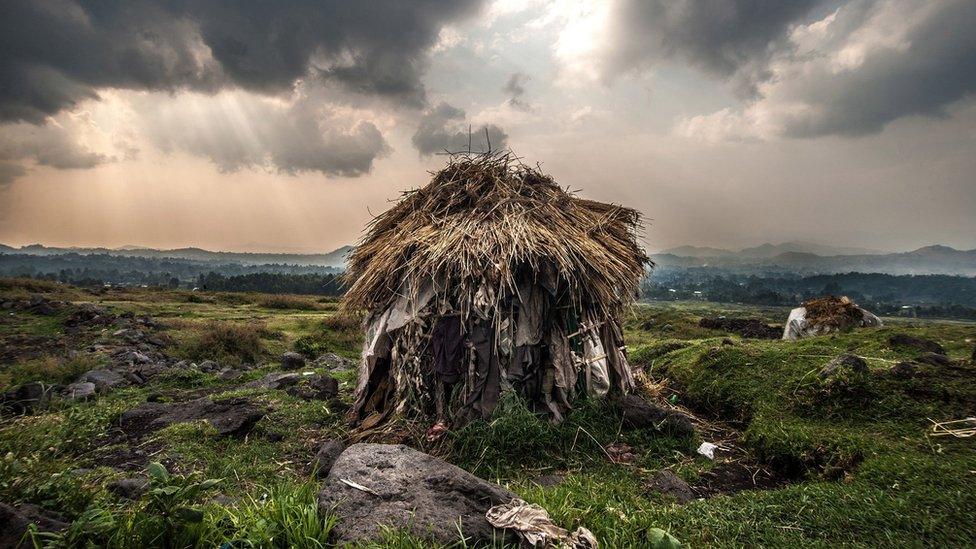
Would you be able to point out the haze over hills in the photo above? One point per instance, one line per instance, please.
(926, 260)
(768, 250)
(788, 257)
(335, 258)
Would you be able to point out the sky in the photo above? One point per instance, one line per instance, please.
(285, 126)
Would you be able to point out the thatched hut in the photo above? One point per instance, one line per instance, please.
(492, 279)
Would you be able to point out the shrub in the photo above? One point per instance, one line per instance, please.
(49, 369)
(288, 302)
(226, 342)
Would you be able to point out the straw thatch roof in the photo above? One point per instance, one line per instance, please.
(482, 218)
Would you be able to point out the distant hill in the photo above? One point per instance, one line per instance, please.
(335, 258)
(768, 250)
(788, 257)
(927, 260)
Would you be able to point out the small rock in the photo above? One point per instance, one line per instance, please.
(904, 370)
(228, 374)
(128, 488)
(934, 359)
(79, 390)
(853, 363)
(326, 457)
(27, 397)
(917, 343)
(641, 414)
(155, 397)
(275, 437)
(14, 522)
(320, 387)
(671, 485)
(104, 380)
(292, 361)
(548, 481)
(333, 361)
(208, 366)
(149, 371)
(276, 380)
(134, 378)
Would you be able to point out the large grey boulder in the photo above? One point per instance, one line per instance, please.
(375, 485)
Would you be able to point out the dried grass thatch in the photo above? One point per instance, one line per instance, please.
(483, 217)
(837, 312)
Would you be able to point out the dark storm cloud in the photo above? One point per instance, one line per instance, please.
(936, 69)
(56, 53)
(442, 128)
(46, 145)
(748, 43)
(723, 37)
(9, 172)
(515, 88)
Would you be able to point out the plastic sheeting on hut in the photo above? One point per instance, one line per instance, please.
(824, 315)
(492, 280)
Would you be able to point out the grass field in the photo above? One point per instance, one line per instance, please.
(845, 460)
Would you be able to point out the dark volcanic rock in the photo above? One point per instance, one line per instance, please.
(934, 359)
(79, 390)
(319, 387)
(104, 380)
(745, 327)
(333, 361)
(669, 484)
(850, 362)
(235, 416)
(15, 520)
(326, 457)
(904, 370)
(276, 380)
(128, 488)
(640, 414)
(918, 343)
(292, 361)
(409, 490)
(28, 397)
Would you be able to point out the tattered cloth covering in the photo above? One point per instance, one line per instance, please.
(492, 279)
(824, 315)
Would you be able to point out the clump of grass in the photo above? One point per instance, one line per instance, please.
(49, 369)
(486, 448)
(226, 342)
(340, 334)
(294, 302)
(174, 514)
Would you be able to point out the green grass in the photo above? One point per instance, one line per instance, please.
(864, 473)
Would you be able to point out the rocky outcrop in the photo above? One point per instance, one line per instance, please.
(231, 417)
